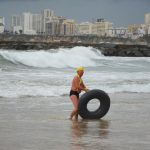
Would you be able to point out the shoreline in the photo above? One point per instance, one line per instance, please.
(107, 46)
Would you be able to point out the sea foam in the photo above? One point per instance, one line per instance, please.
(60, 58)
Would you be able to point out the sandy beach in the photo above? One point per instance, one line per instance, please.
(41, 123)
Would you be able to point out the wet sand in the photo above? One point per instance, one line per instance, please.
(42, 124)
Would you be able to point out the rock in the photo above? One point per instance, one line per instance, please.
(108, 46)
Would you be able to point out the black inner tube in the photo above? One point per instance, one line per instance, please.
(102, 109)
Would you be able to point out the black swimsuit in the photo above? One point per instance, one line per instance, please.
(74, 93)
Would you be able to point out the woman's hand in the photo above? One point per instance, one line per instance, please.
(86, 90)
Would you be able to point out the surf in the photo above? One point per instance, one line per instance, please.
(59, 58)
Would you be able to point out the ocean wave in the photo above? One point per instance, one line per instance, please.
(111, 74)
(61, 58)
(20, 92)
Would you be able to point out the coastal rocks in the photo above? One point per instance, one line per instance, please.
(108, 46)
(106, 49)
(127, 51)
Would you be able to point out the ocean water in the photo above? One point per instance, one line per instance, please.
(35, 106)
(49, 73)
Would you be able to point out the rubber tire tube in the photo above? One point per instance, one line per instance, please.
(98, 113)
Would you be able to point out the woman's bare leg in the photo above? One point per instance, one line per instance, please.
(76, 116)
(75, 103)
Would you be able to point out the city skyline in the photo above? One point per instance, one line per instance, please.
(120, 12)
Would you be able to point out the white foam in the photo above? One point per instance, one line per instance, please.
(111, 74)
(64, 91)
(21, 90)
(130, 88)
(77, 56)
(60, 85)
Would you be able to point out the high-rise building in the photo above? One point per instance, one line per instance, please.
(16, 24)
(52, 26)
(33, 23)
(68, 27)
(47, 14)
(28, 23)
(37, 23)
(147, 21)
(61, 26)
(15, 20)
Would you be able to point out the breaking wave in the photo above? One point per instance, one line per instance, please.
(60, 58)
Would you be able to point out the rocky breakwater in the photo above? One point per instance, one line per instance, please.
(125, 50)
(108, 46)
(107, 49)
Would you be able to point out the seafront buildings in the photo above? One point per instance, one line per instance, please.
(118, 32)
(27, 23)
(37, 23)
(99, 28)
(47, 23)
(51, 26)
(136, 30)
(68, 27)
(85, 28)
(46, 16)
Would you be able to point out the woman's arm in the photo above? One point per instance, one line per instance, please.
(83, 87)
(79, 87)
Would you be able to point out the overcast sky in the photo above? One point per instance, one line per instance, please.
(120, 12)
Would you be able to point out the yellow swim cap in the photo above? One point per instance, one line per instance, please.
(80, 69)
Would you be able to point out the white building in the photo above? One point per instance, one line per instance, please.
(147, 21)
(2, 24)
(118, 32)
(17, 29)
(47, 15)
(27, 23)
(52, 26)
(16, 20)
(85, 28)
(102, 27)
(37, 23)
(16, 24)
(68, 27)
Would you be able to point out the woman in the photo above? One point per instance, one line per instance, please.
(76, 88)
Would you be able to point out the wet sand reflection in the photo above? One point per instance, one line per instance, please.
(84, 130)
